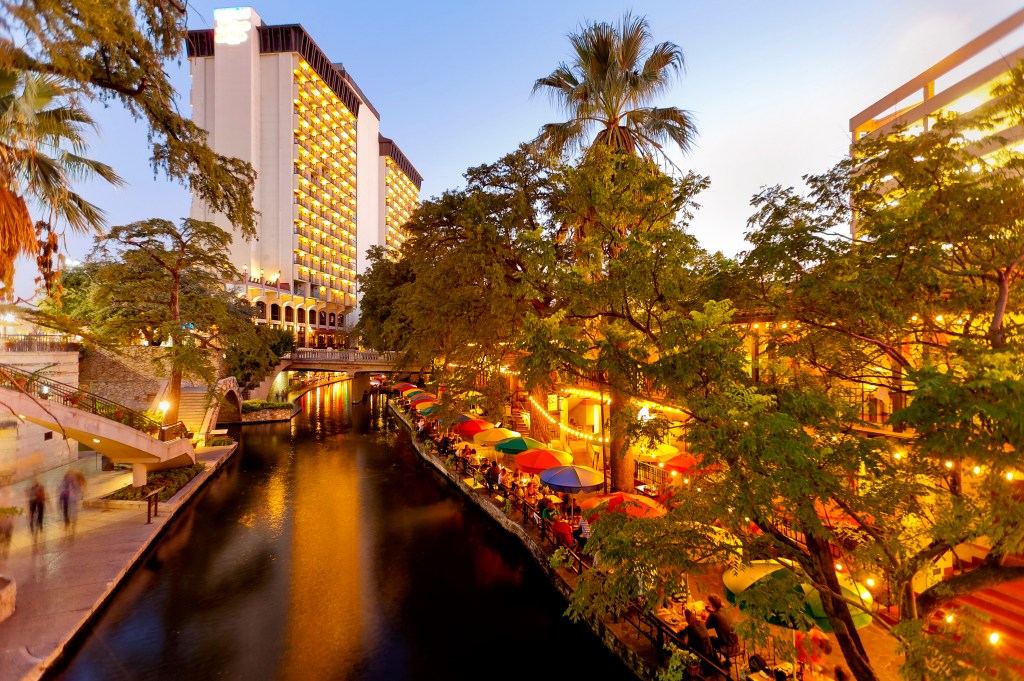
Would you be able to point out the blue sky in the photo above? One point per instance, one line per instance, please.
(772, 85)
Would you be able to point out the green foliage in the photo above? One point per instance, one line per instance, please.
(250, 406)
(42, 138)
(10, 511)
(117, 51)
(608, 91)
(251, 357)
(508, 508)
(679, 662)
(171, 479)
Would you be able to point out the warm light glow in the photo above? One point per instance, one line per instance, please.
(993, 638)
(865, 595)
(231, 25)
(977, 470)
(949, 619)
(1009, 475)
(95, 440)
(839, 567)
(871, 582)
(949, 464)
(164, 405)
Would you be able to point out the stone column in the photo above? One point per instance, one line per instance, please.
(138, 474)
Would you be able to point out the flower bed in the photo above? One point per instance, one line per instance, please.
(171, 479)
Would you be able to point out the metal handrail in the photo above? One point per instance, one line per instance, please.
(70, 396)
(37, 342)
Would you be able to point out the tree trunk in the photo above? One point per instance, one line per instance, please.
(838, 612)
(173, 396)
(619, 461)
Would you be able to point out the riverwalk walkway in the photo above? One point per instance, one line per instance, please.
(62, 577)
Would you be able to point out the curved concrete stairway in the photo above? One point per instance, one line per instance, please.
(117, 432)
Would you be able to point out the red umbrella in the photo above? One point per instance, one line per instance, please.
(635, 505)
(541, 459)
(685, 463)
(468, 429)
(425, 397)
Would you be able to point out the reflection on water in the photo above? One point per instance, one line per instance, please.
(328, 550)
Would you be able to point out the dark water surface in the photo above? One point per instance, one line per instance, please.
(326, 549)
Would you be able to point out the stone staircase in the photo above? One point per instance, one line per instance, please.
(519, 423)
(193, 407)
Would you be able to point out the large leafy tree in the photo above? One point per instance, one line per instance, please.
(615, 292)
(470, 271)
(609, 89)
(163, 282)
(42, 139)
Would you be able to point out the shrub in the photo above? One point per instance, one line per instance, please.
(250, 406)
(171, 479)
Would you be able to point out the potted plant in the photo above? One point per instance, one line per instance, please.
(682, 664)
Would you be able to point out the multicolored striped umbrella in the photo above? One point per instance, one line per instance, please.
(515, 445)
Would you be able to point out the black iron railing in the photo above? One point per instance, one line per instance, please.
(50, 390)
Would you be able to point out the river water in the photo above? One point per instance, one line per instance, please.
(327, 549)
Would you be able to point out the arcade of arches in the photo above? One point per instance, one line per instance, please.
(313, 328)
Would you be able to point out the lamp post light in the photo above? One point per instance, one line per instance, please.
(163, 406)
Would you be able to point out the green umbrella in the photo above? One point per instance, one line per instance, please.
(514, 445)
(760, 573)
(429, 410)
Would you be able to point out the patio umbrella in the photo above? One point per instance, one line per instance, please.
(413, 390)
(515, 445)
(685, 463)
(424, 397)
(427, 409)
(402, 385)
(573, 479)
(540, 459)
(762, 572)
(468, 429)
(634, 505)
(491, 437)
(423, 404)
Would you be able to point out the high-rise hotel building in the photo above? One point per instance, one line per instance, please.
(329, 185)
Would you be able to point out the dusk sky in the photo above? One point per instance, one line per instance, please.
(772, 85)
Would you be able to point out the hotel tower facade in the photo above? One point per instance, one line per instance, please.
(329, 185)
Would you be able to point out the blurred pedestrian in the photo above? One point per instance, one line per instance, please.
(36, 506)
(70, 492)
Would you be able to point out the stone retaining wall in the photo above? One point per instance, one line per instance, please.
(268, 415)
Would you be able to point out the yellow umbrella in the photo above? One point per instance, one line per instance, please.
(492, 436)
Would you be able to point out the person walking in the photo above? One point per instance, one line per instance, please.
(70, 491)
(36, 507)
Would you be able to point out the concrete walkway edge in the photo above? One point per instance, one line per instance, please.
(214, 458)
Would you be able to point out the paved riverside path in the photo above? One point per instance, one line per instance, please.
(63, 577)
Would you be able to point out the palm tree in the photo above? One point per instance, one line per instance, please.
(42, 137)
(610, 86)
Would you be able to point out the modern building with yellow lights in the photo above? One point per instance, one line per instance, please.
(329, 185)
